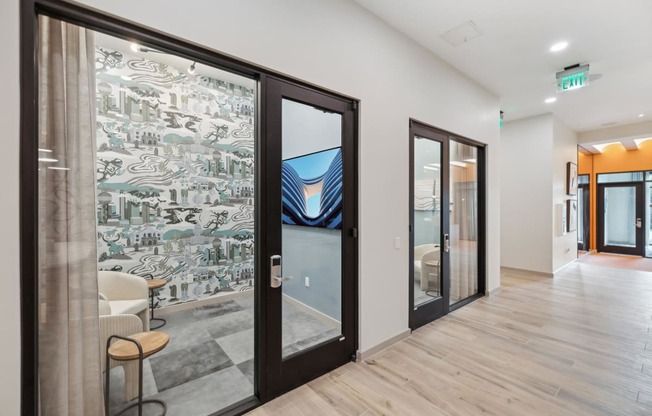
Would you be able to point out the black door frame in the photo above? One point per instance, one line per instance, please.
(585, 215)
(639, 250)
(436, 308)
(112, 25)
(286, 374)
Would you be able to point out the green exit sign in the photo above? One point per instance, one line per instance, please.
(573, 78)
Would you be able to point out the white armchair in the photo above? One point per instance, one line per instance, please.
(422, 254)
(126, 294)
(123, 325)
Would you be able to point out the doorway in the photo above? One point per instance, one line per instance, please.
(309, 280)
(584, 212)
(621, 213)
(446, 267)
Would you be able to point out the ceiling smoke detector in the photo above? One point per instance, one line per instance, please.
(462, 33)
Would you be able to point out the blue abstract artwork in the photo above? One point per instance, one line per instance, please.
(312, 189)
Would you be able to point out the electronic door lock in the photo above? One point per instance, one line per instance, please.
(639, 223)
(447, 243)
(276, 275)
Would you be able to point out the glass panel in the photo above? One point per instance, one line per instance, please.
(620, 216)
(146, 175)
(427, 220)
(312, 226)
(648, 176)
(620, 177)
(648, 218)
(463, 221)
(580, 214)
(583, 179)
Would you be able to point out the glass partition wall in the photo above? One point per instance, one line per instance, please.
(146, 209)
(446, 267)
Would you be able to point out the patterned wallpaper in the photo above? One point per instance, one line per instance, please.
(175, 184)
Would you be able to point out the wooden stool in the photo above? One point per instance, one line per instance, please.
(135, 347)
(154, 284)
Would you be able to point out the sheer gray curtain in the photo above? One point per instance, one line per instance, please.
(69, 351)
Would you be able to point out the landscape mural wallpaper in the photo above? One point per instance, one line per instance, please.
(175, 177)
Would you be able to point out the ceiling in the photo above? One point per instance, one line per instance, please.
(512, 56)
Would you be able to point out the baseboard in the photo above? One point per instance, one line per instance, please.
(493, 292)
(564, 266)
(534, 272)
(202, 302)
(363, 355)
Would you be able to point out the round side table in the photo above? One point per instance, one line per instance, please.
(134, 347)
(154, 284)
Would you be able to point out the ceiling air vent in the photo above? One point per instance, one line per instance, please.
(462, 33)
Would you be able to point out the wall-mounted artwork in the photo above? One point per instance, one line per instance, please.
(175, 184)
(571, 179)
(312, 189)
(571, 210)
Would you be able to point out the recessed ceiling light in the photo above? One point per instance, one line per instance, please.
(560, 46)
(58, 168)
(47, 159)
(45, 150)
(191, 68)
(135, 47)
(550, 100)
(641, 115)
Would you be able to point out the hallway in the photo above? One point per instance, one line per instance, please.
(617, 261)
(572, 345)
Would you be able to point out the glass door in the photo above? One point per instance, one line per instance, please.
(648, 214)
(584, 212)
(464, 221)
(446, 266)
(310, 310)
(620, 225)
(429, 238)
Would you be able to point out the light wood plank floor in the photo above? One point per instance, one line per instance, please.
(578, 344)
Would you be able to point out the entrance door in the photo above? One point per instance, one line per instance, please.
(446, 269)
(621, 218)
(309, 176)
(584, 213)
(429, 225)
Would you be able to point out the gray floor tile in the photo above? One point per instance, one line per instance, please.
(247, 369)
(216, 309)
(230, 323)
(239, 346)
(179, 367)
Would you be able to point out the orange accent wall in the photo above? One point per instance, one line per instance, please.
(614, 158)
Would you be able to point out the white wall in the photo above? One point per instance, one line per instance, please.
(564, 248)
(10, 306)
(340, 46)
(526, 194)
(533, 171)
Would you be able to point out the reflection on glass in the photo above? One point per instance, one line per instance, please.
(311, 230)
(145, 173)
(620, 216)
(427, 220)
(463, 221)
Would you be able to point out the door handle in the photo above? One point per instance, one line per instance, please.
(276, 272)
(447, 243)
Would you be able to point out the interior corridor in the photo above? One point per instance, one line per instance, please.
(575, 344)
